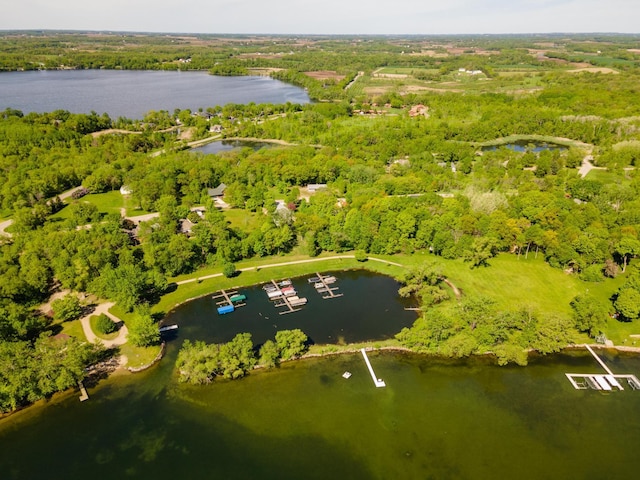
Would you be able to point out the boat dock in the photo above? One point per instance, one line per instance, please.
(597, 381)
(228, 301)
(377, 381)
(83, 392)
(323, 285)
(284, 294)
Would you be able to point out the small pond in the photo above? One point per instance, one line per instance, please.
(227, 145)
(526, 146)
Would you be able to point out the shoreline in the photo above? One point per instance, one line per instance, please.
(346, 349)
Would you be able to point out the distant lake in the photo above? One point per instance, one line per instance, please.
(133, 93)
(526, 146)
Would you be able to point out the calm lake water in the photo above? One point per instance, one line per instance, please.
(437, 419)
(527, 146)
(227, 145)
(131, 93)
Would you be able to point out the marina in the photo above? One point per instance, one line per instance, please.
(228, 300)
(322, 284)
(606, 383)
(283, 294)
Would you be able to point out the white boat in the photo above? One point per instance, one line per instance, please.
(297, 302)
(166, 328)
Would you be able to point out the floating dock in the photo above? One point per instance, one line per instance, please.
(83, 392)
(597, 381)
(228, 301)
(322, 284)
(377, 381)
(284, 294)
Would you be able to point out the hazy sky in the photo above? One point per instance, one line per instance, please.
(326, 16)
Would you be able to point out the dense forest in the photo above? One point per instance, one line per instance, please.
(405, 144)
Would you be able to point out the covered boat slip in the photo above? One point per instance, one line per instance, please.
(283, 294)
(228, 301)
(323, 283)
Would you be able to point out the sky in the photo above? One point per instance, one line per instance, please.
(326, 16)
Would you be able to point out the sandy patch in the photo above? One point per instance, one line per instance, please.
(186, 133)
(390, 75)
(594, 70)
(325, 75)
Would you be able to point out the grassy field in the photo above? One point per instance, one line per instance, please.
(73, 329)
(243, 220)
(110, 202)
(139, 356)
(604, 176)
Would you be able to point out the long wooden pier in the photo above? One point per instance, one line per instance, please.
(377, 381)
(602, 364)
(323, 285)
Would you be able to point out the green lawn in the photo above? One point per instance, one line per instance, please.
(605, 176)
(139, 356)
(73, 329)
(110, 202)
(244, 220)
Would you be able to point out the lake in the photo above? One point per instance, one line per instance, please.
(133, 93)
(436, 418)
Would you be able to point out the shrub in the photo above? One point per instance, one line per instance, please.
(229, 270)
(592, 273)
(105, 325)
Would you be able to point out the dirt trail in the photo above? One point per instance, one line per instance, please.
(91, 337)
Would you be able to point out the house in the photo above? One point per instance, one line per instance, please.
(216, 128)
(186, 226)
(218, 191)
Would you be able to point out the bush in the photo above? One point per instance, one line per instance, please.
(229, 270)
(360, 256)
(105, 325)
(592, 273)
